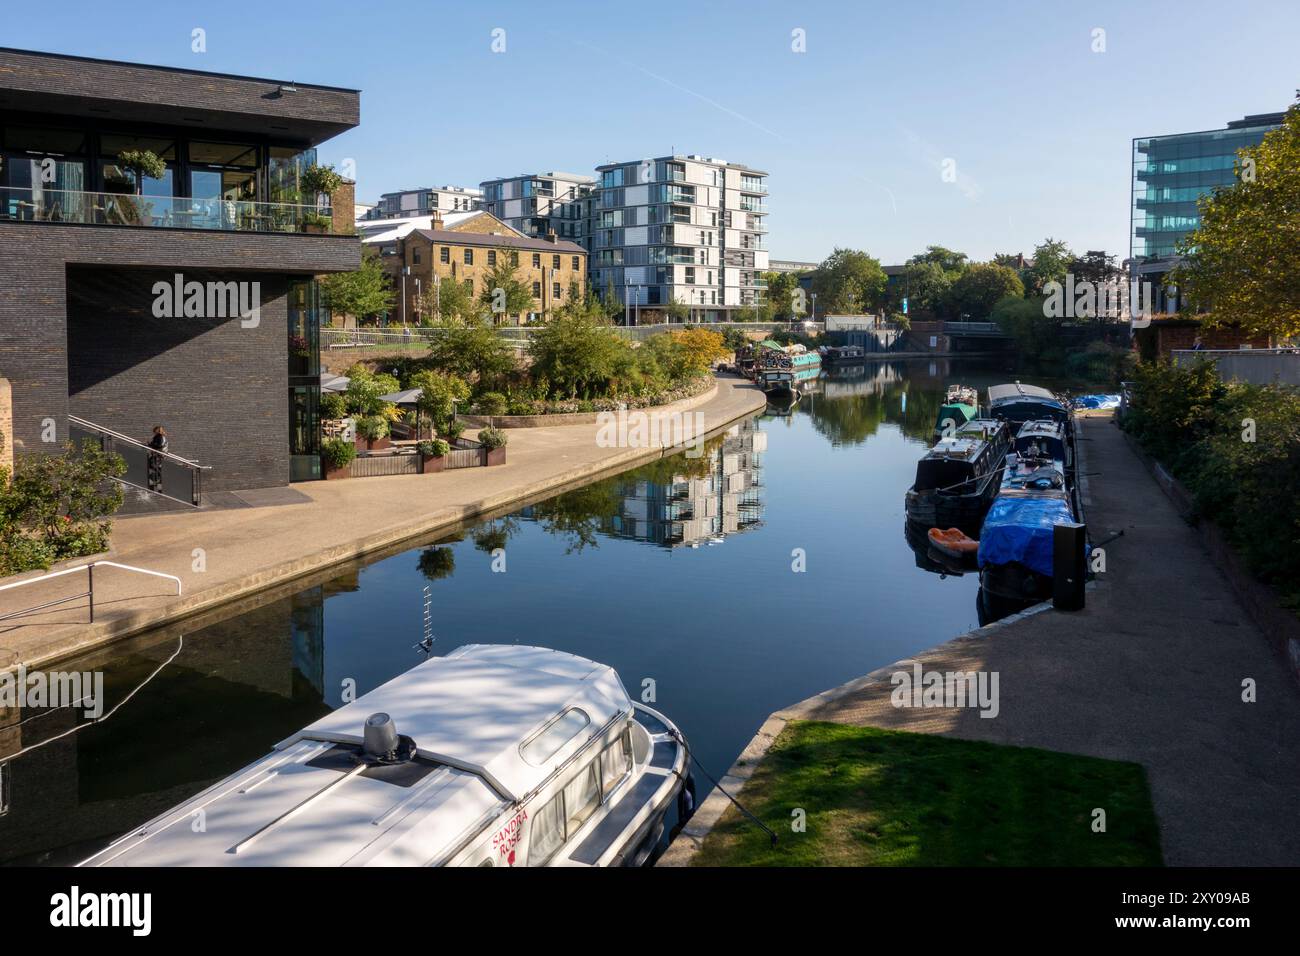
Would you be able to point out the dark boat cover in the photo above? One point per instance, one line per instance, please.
(1020, 529)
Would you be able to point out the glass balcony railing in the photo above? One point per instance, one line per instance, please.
(159, 212)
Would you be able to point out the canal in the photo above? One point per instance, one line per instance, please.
(727, 586)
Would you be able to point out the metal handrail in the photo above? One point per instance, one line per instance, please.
(89, 568)
(118, 436)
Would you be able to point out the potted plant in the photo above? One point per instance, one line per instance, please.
(141, 162)
(433, 454)
(336, 455)
(320, 179)
(316, 223)
(374, 431)
(494, 440)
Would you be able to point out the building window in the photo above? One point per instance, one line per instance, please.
(537, 290)
(514, 259)
(690, 275)
(469, 257)
(444, 255)
(537, 260)
(555, 262)
(577, 263)
(492, 257)
(555, 291)
(415, 257)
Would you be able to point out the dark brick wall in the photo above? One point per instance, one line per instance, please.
(35, 261)
(219, 389)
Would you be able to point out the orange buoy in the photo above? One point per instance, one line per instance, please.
(953, 542)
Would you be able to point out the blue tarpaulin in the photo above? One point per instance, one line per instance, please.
(1020, 529)
(1096, 401)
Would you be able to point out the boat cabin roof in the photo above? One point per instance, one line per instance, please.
(964, 447)
(1042, 428)
(490, 723)
(1016, 391)
(981, 428)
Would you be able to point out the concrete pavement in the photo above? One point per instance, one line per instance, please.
(248, 549)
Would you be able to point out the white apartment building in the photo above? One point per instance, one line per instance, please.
(538, 203)
(423, 201)
(689, 229)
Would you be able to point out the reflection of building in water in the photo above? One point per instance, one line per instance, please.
(235, 686)
(703, 505)
(868, 379)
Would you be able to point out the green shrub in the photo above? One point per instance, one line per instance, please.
(492, 403)
(333, 405)
(492, 438)
(337, 453)
(372, 427)
(433, 449)
(453, 430)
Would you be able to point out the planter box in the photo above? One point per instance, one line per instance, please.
(432, 463)
(378, 444)
(332, 473)
(496, 456)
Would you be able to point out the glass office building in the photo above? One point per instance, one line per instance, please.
(1170, 173)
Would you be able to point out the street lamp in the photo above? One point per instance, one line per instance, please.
(406, 271)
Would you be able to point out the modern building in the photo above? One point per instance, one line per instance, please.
(684, 229)
(1170, 173)
(178, 294)
(424, 200)
(538, 203)
(464, 247)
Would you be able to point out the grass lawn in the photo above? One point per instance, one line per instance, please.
(890, 798)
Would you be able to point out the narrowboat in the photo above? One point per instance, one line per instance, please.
(494, 755)
(960, 405)
(958, 477)
(1017, 404)
(1037, 492)
(843, 354)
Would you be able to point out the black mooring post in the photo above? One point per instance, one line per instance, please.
(1069, 566)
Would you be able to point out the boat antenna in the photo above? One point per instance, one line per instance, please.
(426, 645)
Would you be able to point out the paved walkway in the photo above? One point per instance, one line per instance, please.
(1151, 671)
(248, 549)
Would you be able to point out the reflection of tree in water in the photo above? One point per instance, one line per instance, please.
(494, 534)
(851, 420)
(579, 514)
(437, 563)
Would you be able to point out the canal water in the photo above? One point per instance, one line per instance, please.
(726, 586)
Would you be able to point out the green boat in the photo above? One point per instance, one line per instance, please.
(960, 406)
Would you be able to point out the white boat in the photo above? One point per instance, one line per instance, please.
(494, 755)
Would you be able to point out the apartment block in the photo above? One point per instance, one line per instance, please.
(424, 200)
(684, 229)
(538, 203)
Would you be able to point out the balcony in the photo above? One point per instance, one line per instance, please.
(159, 212)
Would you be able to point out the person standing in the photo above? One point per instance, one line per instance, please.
(155, 465)
(1197, 345)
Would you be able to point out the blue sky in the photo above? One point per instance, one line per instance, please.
(854, 132)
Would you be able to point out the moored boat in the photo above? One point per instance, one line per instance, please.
(843, 354)
(957, 478)
(1017, 404)
(960, 405)
(494, 755)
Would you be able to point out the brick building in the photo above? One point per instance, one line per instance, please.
(186, 299)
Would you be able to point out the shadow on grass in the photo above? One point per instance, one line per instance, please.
(875, 797)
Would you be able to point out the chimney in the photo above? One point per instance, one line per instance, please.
(550, 236)
(435, 220)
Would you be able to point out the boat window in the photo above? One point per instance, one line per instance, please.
(582, 796)
(547, 742)
(615, 764)
(548, 831)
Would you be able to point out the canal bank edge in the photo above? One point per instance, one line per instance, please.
(737, 399)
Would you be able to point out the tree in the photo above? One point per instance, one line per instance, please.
(440, 394)
(576, 353)
(504, 293)
(678, 311)
(472, 348)
(1243, 261)
(946, 259)
(700, 348)
(361, 294)
(982, 286)
(1100, 270)
(452, 300)
(926, 286)
(364, 389)
(782, 291)
(848, 281)
(1052, 258)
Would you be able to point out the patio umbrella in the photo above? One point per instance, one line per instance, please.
(334, 383)
(408, 396)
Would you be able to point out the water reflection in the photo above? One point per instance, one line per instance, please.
(620, 570)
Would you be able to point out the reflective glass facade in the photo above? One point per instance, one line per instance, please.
(1170, 173)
